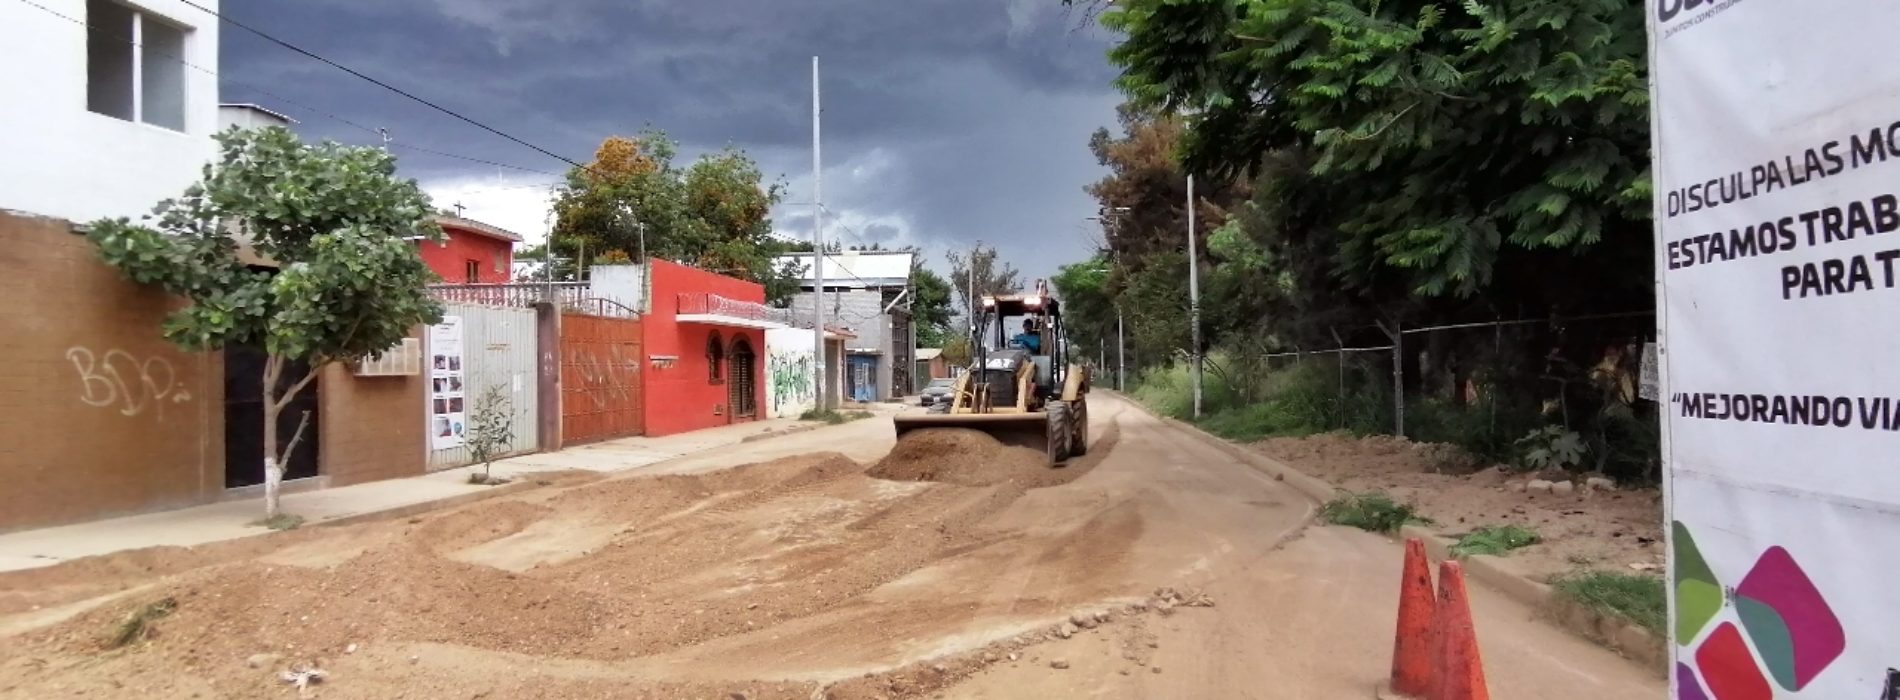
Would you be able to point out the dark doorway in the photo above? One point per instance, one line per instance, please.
(744, 380)
(244, 418)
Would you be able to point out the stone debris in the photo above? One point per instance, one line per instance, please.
(1538, 486)
(1059, 664)
(1563, 488)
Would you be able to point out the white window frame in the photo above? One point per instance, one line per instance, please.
(137, 75)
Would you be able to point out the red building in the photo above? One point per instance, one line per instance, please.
(475, 253)
(705, 345)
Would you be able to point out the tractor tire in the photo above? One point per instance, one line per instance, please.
(1061, 429)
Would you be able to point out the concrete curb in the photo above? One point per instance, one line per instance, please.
(794, 430)
(1612, 631)
(517, 486)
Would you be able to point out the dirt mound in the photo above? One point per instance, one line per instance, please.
(467, 527)
(966, 457)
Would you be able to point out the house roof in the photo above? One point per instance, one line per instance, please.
(477, 228)
(857, 269)
(928, 354)
(257, 108)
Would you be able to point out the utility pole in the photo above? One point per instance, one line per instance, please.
(974, 250)
(818, 250)
(1194, 297)
(1121, 351)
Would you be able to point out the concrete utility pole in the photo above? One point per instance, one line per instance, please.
(1194, 297)
(1121, 351)
(973, 303)
(820, 359)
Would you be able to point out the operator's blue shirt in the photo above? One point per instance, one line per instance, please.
(1030, 341)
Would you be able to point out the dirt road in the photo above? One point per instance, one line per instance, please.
(954, 569)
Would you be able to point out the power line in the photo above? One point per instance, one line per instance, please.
(381, 84)
(275, 96)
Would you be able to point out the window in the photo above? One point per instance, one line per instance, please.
(135, 65)
(715, 356)
(473, 269)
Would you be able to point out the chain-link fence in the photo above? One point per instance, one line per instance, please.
(1485, 386)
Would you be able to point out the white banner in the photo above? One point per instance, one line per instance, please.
(1778, 231)
(447, 398)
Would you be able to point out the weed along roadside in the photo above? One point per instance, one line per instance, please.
(1562, 576)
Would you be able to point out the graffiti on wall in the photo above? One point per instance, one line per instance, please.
(119, 379)
(791, 378)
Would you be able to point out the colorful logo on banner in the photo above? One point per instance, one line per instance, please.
(1782, 616)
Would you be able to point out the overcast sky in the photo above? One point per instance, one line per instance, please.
(946, 121)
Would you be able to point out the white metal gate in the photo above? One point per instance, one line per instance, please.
(498, 349)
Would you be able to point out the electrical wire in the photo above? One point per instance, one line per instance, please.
(378, 133)
(313, 55)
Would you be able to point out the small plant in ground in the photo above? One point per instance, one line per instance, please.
(138, 623)
(281, 521)
(1552, 446)
(1373, 511)
(1639, 598)
(1495, 541)
(490, 431)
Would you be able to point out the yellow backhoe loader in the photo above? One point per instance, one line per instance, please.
(1021, 388)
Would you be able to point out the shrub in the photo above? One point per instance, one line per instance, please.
(1639, 598)
(1373, 511)
(1494, 541)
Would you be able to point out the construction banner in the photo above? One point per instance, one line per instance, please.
(1777, 187)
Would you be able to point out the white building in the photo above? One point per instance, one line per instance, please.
(867, 292)
(109, 106)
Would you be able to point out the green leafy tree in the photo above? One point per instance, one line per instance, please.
(333, 218)
(930, 309)
(1456, 147)
(490, 430)
(1088, 304)
(633, 198)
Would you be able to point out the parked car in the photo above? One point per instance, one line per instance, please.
(936, 392)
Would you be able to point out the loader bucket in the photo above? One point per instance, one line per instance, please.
(1029, 430)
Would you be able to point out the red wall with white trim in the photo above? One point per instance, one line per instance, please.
(684, 396)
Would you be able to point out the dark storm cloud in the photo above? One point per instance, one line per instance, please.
(945, 120)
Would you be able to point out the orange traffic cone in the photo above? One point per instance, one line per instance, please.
(1411, 647)
(1459, 673)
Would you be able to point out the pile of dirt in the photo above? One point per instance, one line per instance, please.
(967, 457)
(594, 576)
(1614, 530)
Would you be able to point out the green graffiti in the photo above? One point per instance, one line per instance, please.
(790, 374)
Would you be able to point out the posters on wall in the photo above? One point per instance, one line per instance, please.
(1777, 180)
(447, 416)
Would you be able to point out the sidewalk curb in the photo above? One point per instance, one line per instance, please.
(1613, 632)
(427, 506)
(793, 430)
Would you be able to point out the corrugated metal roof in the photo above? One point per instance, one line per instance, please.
(857, 269)
(927, 354)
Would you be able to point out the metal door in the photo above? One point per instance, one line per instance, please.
(601, 361)
(498, 353)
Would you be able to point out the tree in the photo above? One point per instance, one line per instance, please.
(992, 277)
(930, 305)
(333, 218)
(1088, 304)
(632, 199)
(490, 430)
(1450, 147)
